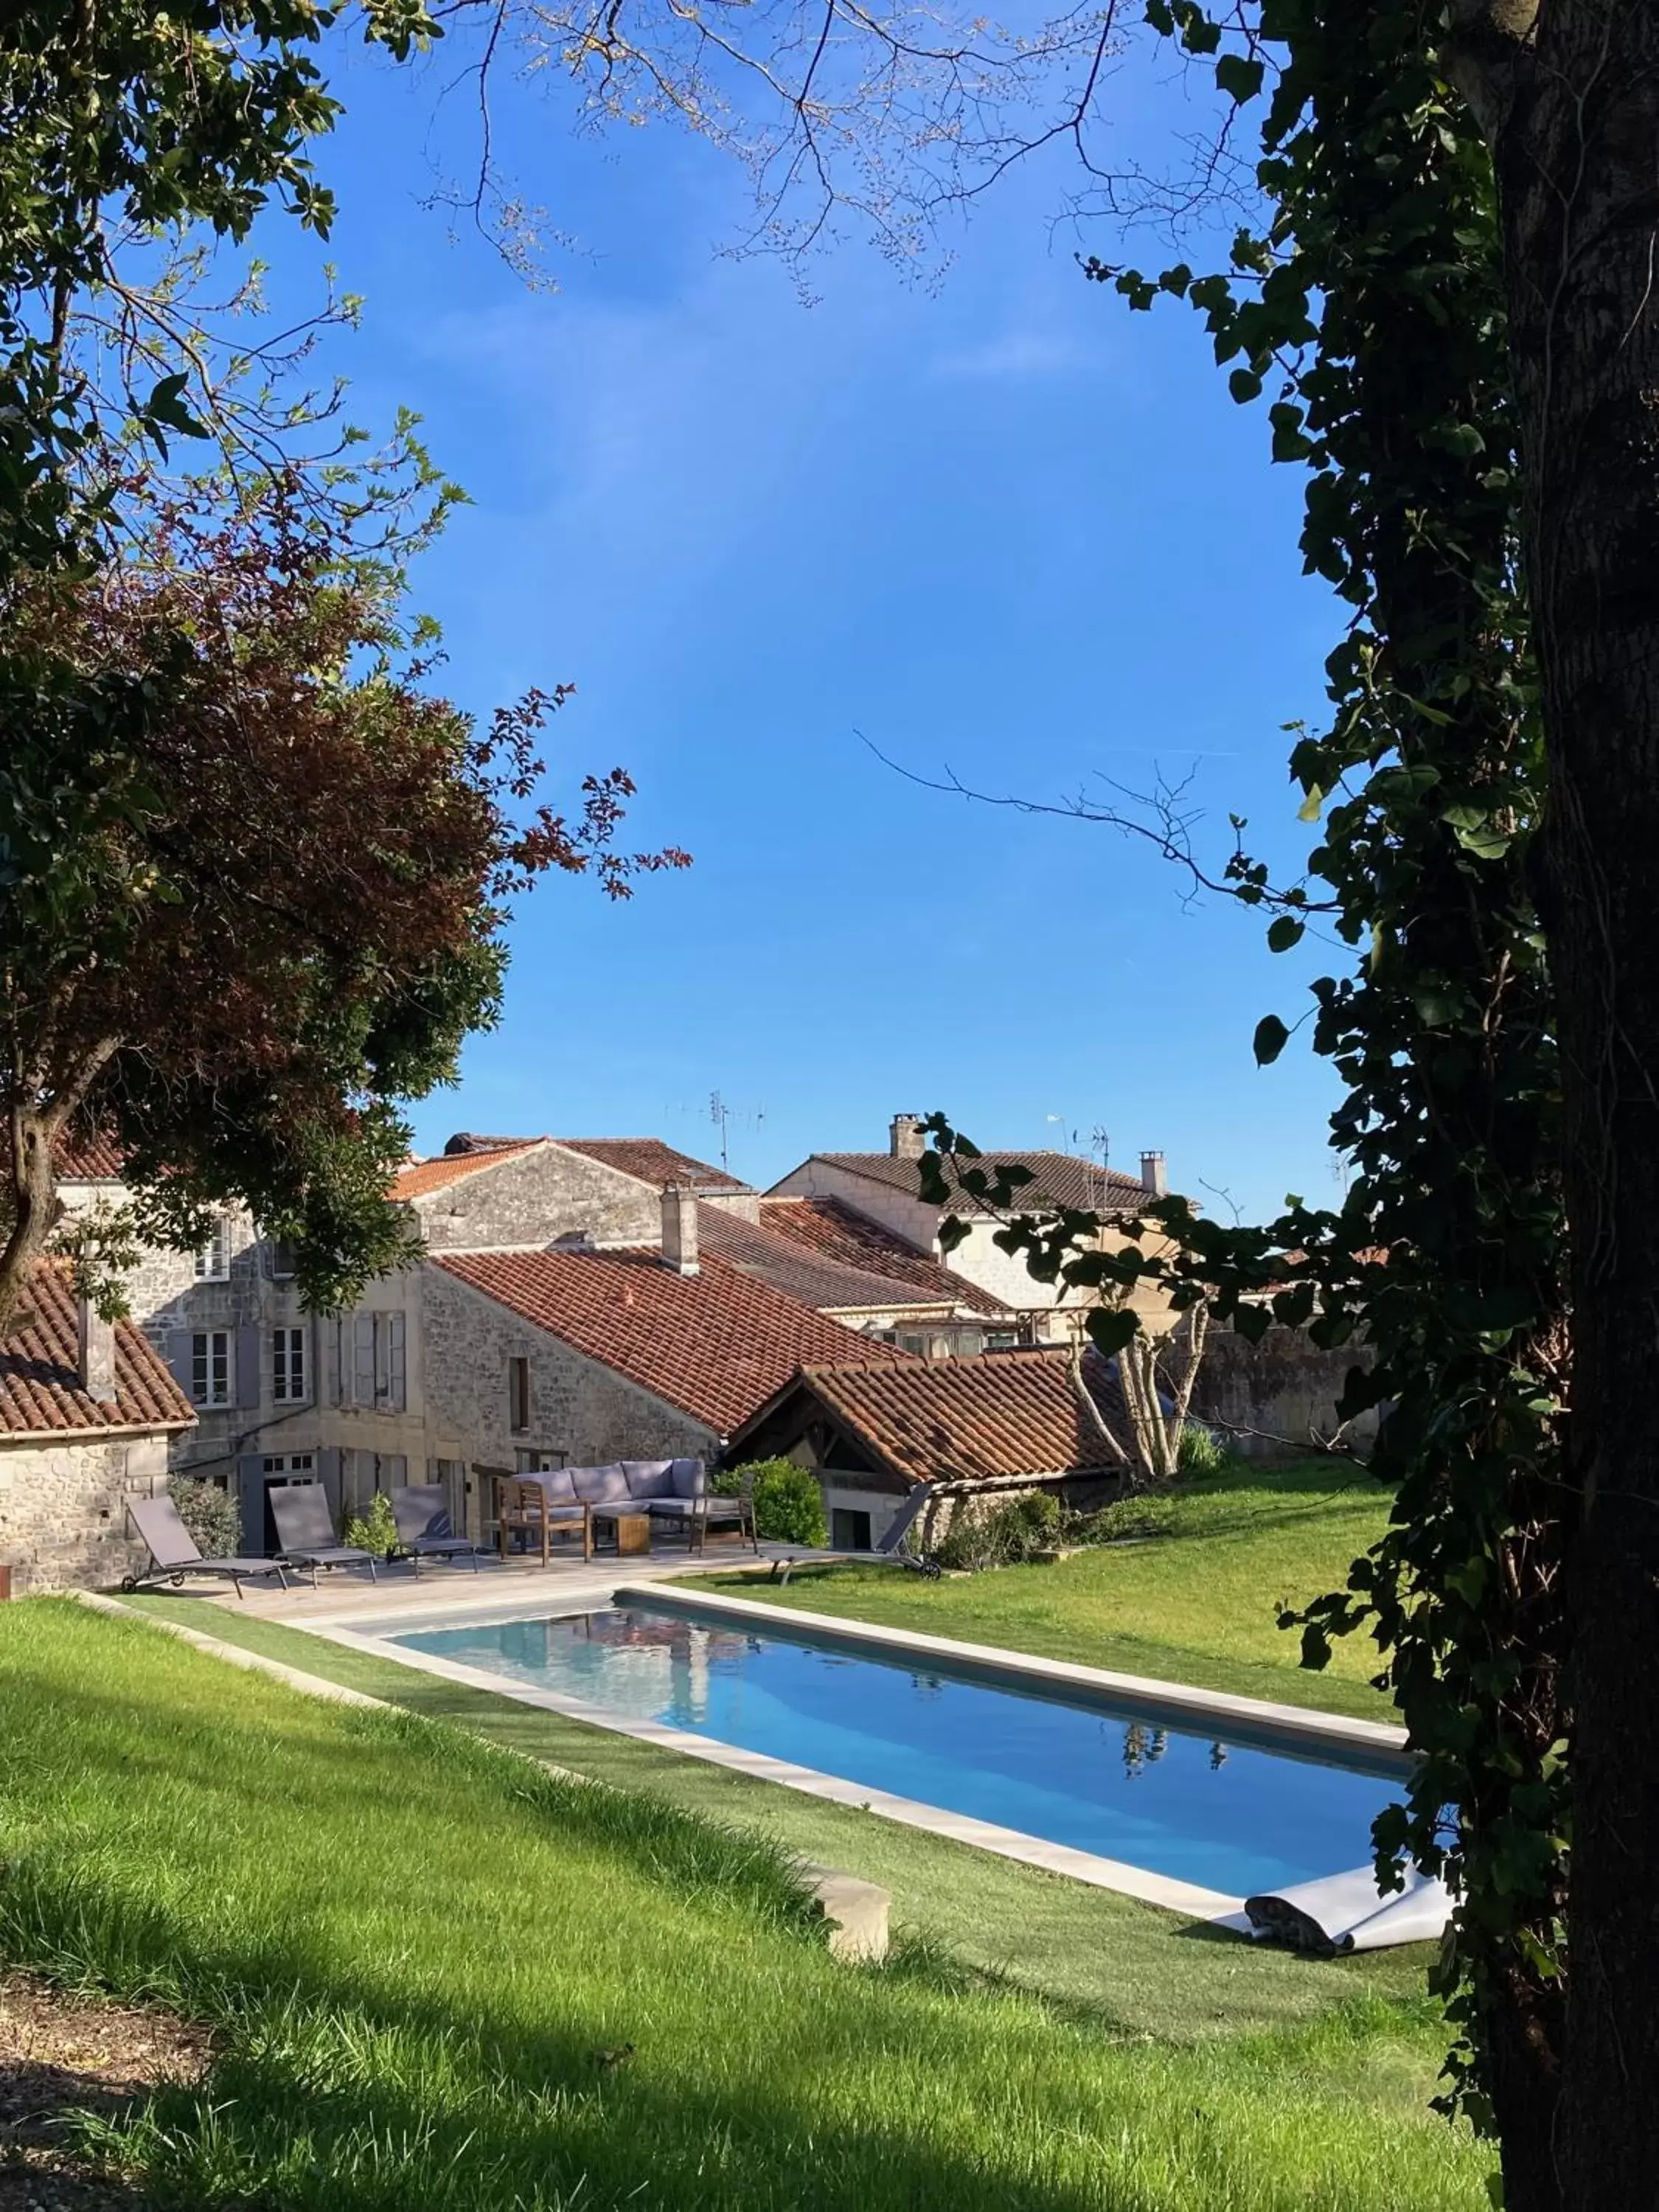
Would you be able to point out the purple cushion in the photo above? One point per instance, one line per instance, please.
(649, 1477)
(690, 1477)
(558, 1487)
(601, 1485)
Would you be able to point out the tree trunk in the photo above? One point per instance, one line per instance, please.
(1574, 116)
(34, 1210)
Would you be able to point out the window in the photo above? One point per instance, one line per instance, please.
(210, 1367)
(374, 1361)
(289, 1384)
(849, 1530)
(291, 1466)
(281, 1259)
(916, 1344)
(213, 1260)
(528, 1461)
(1001, 1339)
(517, 1396)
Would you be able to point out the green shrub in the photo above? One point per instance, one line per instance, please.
(788, 1503)
(1201, 1453)
(375, 1531)
(211, 1514)
(1001, 1536)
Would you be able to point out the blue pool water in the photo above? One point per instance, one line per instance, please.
(1225, 1816)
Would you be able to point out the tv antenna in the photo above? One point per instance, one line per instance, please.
(723, 1117)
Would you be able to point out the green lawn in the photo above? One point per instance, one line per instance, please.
(418, 1951)
(1128, 1966)
(1197, 1604)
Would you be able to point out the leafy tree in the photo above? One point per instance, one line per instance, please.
(1449, 297)
(291, 877)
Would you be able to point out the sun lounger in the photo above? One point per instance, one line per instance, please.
(424, 1528)
(305, 1529)
(175, 1553)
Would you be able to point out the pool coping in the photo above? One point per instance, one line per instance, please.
(1187, 1899)
(1180, 1700)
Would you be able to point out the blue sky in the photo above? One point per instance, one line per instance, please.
(996, 525)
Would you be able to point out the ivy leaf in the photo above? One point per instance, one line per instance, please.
(1110, 1329)
(1244, 385)
(1283, 932)
(1239, 76)
(1271, 1038)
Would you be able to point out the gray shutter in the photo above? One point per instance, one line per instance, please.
(328, 1466)
(247, 1367)
(392, 1471)
(331, 1391)
(179, 1358)
(251, 1491)
(362, 1359)
(396, 1365)
(309, 1353)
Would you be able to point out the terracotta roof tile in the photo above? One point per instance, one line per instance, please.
(717, 1344)
(1006, 1413)
(40, 1390)
(1056, 1176)
(826, 1226)
(649, 1160)
(816, 1278)
(421, 1177)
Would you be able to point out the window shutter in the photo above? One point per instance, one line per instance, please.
(334, 1390)
(397, 1363)
(328, 1468)
(308, 1336)
(393, 1471)
(179, 1358)
(246, 1380)
(251, 1494)
(362, 1359)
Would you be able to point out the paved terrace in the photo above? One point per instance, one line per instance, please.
(568, 1582)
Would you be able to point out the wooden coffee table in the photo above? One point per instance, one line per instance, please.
(633, 1530)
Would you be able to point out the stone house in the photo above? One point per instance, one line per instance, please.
(883, 1189)
(889, 1442)
(88, 1414)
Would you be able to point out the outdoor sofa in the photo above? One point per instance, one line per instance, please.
(666, 1491)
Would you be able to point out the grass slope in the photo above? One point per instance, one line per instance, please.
(419, 1952)
(1135, 1969)
(1196, 1603)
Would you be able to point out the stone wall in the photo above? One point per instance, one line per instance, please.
(577, 1407)
(1271, 1400)
(534, 1198)
(62, 1509)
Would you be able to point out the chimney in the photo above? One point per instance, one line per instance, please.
(1153, 1177)
(679, 1230)
(96, 1353)
(904, 1138)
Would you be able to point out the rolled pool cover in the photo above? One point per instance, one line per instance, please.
(1344, 1912)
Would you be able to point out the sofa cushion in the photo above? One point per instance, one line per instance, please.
(649, 1477)
(558, 1485)
(690, 1477)
(601, 1485)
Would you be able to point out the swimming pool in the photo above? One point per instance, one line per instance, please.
(1225, 1816)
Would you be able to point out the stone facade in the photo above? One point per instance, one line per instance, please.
(63, 1508)
(1273, 1399)
(534, 1198)
(578, 1412)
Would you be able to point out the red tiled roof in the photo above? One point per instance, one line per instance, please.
(826, 1226)
(1082, 1185)
(1006, 1413)
(40, 1388)
(817, 1280)
(649, 1160)
(421, 1177)
(716, 1344)
(90, 1159)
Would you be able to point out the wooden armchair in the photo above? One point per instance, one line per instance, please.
(522, 1501)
